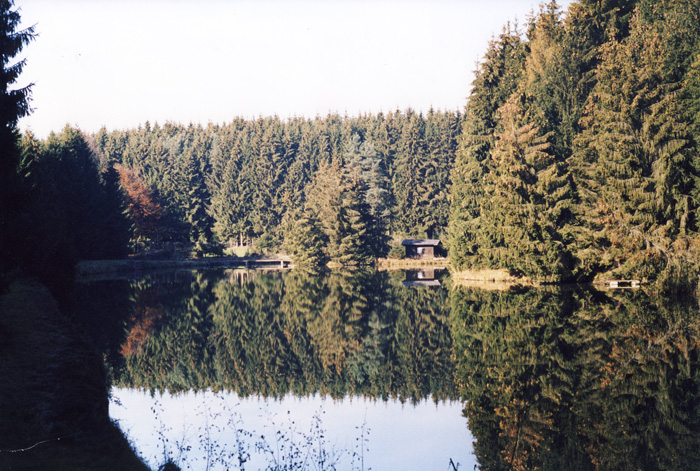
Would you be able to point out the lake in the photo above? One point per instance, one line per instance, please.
(235, 369)
(363, 359)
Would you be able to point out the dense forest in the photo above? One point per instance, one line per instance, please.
(330, 188)
(579, 150)
(576, 158)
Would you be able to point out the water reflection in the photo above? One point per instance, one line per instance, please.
(423, 277)
(270, 334)
(579, 379)
(552, 378)
(271, 338)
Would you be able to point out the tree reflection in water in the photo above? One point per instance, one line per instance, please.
(579, 379)
(359, 333)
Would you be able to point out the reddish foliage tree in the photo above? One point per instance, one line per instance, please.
(145, 211)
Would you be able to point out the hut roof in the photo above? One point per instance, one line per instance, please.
(431, 242)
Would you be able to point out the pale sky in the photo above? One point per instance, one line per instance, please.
(119, 63)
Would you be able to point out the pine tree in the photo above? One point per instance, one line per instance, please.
(197, 200)
(496, 79)
(635, 159)
(306, 241)
(14, 104)
(361, 162)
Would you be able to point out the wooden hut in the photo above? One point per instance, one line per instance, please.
(423, 248)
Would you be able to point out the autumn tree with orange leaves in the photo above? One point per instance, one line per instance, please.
(145, 210)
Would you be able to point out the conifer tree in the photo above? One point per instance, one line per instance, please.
(408, 177)
(324, 200)
(226, 206)
(338, 197)
(496, 78)
(197, 200)
(116, 224)
(306, 241)
(355, 244)
(362, 163)
(516, 228)
(14, 104)
(637, 169)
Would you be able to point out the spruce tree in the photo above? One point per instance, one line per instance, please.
(408, 183)
(362, 163)
(197, 200)
(517, 230)
(496, 78)
(14, 104)
(636, 153)
(306, 241)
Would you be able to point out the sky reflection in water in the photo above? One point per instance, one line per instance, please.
(401, 436)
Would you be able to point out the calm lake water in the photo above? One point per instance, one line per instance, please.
(360, 370)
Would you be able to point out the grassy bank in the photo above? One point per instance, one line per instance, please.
(409, 263)
(53, 392)
(500, 280)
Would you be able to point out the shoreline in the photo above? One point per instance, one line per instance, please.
(91, 269)
(490, 279)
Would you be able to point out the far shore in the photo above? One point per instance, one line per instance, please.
(89, 269)
(490, 279)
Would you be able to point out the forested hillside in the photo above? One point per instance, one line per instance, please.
(332, 188)
(576, 158)
(579, 150)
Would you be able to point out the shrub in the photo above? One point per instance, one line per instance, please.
(397, 252)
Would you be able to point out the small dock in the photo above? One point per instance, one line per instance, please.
(624, 284)
(273, 262)
(95, 269)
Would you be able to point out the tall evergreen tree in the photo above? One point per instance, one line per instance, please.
(197, 201)
(14, 104)
(516, 228)
(306, 241)
(635, 152)
(496, 78)
(408, 178)
(362, 163)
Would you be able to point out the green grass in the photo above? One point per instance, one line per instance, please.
(238, 251)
